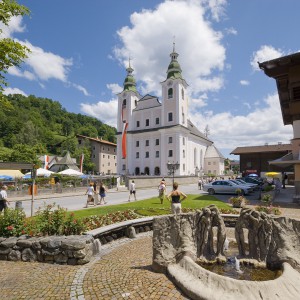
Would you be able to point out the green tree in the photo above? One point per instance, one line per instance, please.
(24, 153)
(12, 53)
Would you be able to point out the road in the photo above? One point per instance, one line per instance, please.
(77, 200)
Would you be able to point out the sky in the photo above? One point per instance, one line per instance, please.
(80, 51)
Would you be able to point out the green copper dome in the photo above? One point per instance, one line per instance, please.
(129, 82)
(174, 70)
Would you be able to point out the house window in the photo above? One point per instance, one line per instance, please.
(156, 142)
(123, 167)
(137, 123)
(94, 156)
(170, 117)
(209, 163)
(114, 157)
(170, 93)
(170, 140)
(94, 147)
(137, 143)
(147, 154)
(108, 156)
(79, 142)
(183, 153)
(157, 154)
(157, 121)
(170, 153)
(147, 143)
(183, 141)
(137, 155)
(115, 150)
(103, 156)
(147, 122)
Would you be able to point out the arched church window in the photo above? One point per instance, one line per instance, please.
(147, 171)
(182, 94)
(195, 157)
(170, 93)
(137, 171)
(124, 103)
(135, 103)
(157, 171)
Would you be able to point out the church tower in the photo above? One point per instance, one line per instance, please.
(174, 94)
(127, 101)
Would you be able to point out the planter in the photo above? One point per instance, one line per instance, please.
(267, 195)
(238, 202)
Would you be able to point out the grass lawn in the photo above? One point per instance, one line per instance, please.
(152, 206)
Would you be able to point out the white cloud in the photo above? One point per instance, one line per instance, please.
(265, 53)
(255, 128)
(247, 105)
(46, 65)
(216, 8)
(14, 71)
(244, 82)
(231, 31)
(14, 25)
(81, 89)
(8, 91)
(104, 111)
(114, 88)
(150, 37)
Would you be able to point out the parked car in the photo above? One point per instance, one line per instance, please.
(250, 185)
(255, 186)
(252, 180)
(224, 187)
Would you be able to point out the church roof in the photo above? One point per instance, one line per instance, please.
(129, 82)
(213, 152)
(146, 102)
(194, 130)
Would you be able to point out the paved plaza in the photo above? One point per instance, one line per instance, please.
(121, 271)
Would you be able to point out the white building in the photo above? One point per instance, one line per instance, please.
(152, 133)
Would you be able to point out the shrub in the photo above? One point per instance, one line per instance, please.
(267, 198)
(274, 210)
(268, 188)
(11, 222)
(238, 201)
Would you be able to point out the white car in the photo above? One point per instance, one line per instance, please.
(225, 187)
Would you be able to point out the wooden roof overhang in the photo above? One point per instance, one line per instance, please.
(286, 71)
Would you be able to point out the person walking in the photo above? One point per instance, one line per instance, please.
(90, 193)
(3, 198)
(161, 192)
(102, 193)
(132, 191)
(96, 196)
(176, 197)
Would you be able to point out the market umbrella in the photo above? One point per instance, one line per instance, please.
(6, 177)
(70, 172)
(272, 174)
(40, 172)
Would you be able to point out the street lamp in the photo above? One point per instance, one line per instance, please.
(172, 167)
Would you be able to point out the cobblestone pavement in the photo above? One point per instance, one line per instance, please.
(122, 271)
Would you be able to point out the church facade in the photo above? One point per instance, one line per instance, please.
(153, 133)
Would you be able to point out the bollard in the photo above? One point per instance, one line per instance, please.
(18, 205)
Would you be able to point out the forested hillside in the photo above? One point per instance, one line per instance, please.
(43, 126)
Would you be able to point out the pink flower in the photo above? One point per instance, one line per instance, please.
(9, 227)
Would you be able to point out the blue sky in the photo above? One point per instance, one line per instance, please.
(80, 50)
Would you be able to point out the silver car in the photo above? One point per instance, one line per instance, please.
(224, 187)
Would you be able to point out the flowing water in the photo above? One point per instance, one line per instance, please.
(233, 269)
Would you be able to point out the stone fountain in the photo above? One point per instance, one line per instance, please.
(179, 241)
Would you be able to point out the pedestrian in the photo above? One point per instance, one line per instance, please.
(132, 191)
(200, 184)
(3, 198)
(118, 183)
(90, 193)
(284, 178)
(176, 197)
(102, 193)
(162, 191)
(96, 196)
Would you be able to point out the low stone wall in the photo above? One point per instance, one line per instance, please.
(69, 250)
(153, 181)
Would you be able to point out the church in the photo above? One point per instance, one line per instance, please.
(153, 133)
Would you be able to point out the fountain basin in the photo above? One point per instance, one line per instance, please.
(200, 284)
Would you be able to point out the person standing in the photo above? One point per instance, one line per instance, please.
(102, 193)
(176, 197)
(132, 191)
(3, 198)
(161, 192)
(90, 193)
